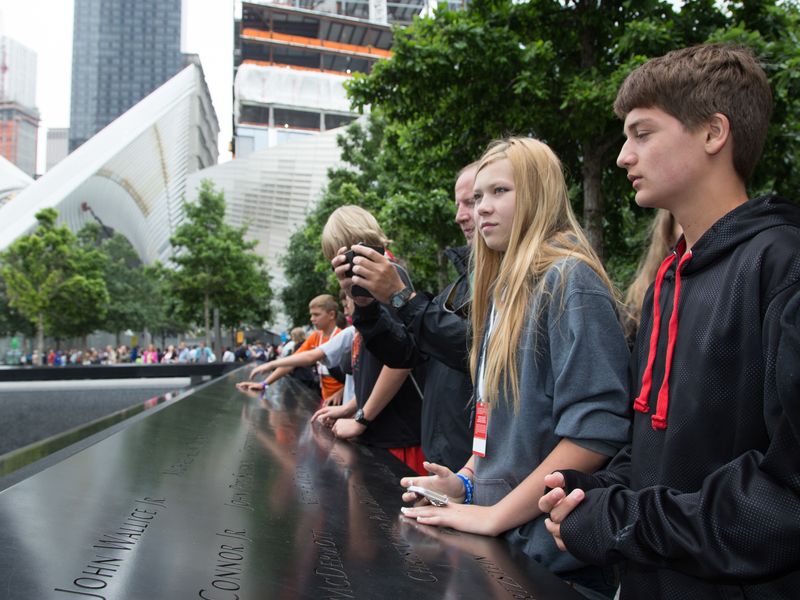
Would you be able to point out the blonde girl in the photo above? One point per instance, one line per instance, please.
(548, 359)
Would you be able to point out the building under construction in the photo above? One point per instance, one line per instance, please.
(19, 118)
(291, 62)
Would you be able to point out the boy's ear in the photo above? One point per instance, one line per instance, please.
(718, 131)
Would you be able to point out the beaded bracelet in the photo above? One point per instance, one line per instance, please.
(467, 488)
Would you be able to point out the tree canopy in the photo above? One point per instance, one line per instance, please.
(140, 296)
(11, 321)
(54, 282)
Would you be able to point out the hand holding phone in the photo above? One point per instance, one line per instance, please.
(435, 498)
(357, 290)
(351, 254)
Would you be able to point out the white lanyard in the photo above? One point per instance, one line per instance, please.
(481, 412)
(486, 338)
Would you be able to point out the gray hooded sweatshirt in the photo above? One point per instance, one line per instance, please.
(573, 383)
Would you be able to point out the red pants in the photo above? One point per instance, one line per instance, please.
(412, 456)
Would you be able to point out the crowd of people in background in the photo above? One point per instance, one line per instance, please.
(152, 354)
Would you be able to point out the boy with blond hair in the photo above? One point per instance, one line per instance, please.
(705, 501)
(350, 225)
(388, 401)
(322, 310)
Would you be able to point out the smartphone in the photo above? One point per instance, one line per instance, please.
(434, 498)
(357, 290)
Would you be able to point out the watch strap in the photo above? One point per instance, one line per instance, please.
(399, 299)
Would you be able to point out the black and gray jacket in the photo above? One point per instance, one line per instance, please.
(705, 502)
(431, 332)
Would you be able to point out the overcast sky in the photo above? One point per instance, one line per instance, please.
(45, 26)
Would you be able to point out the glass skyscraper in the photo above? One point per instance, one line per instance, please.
(121, 51)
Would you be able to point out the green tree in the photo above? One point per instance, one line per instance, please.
(305, 276)
(772, 30)
(216, 266)
(53, 282)
(161, 311)
(123, 273)
(249, 299)
(11, 321)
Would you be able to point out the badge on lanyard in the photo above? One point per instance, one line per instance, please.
(481, 422)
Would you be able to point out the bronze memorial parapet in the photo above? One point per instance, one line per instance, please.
(224, 496)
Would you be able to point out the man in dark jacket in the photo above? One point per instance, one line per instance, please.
(406, 329)
(705, 502)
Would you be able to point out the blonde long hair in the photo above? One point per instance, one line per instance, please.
(662, 239)
(544, 232)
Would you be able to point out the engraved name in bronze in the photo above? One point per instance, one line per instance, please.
(226, 582)
(113, 548)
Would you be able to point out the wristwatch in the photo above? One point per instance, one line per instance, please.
(401, 298)
(360, 418)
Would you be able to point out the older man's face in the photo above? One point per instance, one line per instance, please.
(465, 203)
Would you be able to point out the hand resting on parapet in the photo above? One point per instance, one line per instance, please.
(441, 480)
(328, 415)
(250, 386)
(345, 429)
(470, 518)
(474, 545)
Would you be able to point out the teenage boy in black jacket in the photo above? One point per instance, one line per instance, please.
(705, 502)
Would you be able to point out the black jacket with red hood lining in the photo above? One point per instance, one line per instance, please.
(705, 501)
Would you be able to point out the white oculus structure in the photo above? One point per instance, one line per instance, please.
(133, 173)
